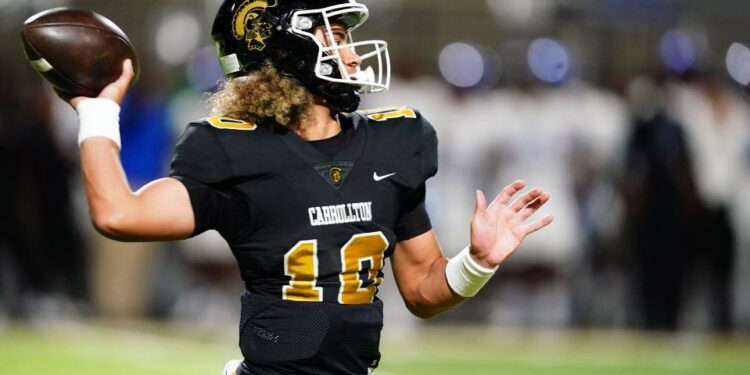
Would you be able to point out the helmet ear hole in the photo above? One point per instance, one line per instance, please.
(326, 69)
(304, 23)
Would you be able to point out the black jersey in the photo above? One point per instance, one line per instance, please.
(322, 226)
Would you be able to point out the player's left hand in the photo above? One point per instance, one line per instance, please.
(498, 230)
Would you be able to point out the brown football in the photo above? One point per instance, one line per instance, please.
(78, 51)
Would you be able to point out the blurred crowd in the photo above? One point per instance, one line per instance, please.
(649, 174)
(647, 179)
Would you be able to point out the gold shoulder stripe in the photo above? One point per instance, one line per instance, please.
(387, 113)
(383, 109)
(230, 124)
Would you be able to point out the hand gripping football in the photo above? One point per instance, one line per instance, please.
(78, 51)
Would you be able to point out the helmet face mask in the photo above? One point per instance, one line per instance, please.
(248, 33)
(372, 75)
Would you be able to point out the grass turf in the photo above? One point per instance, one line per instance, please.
(158, 350)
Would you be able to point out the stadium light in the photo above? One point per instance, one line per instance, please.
(683, 49)
(549, 60)
(738, 63)
(462, 65)
(177, 36)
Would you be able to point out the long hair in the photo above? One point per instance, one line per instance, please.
(262, 97)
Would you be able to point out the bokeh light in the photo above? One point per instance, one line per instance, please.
(678, 51)
(738, 63)
(549, 60)
(462, 65)
(177, 36)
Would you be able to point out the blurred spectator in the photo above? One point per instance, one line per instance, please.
(600, 120)
(716, 123)
(562, 138)
(662, 207)
(42, 259)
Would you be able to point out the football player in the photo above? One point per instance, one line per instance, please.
(311, 195)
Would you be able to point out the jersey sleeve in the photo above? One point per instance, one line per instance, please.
(223, 210)
(429, 153)
(414, 219)
(201, 164)
(200, 157)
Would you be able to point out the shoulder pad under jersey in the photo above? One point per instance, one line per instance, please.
(215, 149)
(199, 155)
(405, 137)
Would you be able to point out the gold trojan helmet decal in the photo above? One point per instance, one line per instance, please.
(248, 24)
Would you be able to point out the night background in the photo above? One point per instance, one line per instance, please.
(633, 114)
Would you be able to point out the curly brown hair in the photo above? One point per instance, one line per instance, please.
(262, 97)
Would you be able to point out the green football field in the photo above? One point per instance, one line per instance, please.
(159, 350)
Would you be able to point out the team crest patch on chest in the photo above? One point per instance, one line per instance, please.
(334, 174)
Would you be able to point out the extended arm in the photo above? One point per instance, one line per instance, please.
(496, 232)
(159, 211)
(419, 269)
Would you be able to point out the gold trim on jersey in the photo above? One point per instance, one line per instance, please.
(230, 124)
(388, 113)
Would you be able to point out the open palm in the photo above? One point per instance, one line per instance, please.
(498, 230)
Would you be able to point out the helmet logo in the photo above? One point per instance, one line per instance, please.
(248, 24)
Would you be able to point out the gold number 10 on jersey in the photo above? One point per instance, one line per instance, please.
(301, 264)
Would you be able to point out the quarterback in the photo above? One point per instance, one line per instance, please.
(311, 195)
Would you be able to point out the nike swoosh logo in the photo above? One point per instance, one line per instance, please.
(381, 178)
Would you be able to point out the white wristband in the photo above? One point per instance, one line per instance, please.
(465, 276)
(98, 118)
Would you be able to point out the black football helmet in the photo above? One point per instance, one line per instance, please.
(247, 33)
